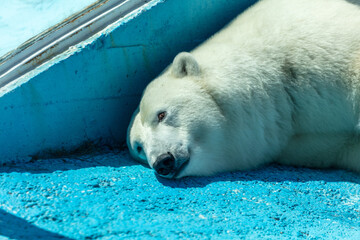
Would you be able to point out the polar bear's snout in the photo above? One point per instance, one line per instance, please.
(168, 166)
(164, 164)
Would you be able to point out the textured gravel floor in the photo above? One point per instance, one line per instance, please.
(108, 196)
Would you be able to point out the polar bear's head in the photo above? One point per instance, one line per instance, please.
(177, 126)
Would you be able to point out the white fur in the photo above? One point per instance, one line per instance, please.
(280, 83)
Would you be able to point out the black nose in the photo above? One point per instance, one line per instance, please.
(164, 164)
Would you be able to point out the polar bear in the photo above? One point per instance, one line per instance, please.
(281, 83)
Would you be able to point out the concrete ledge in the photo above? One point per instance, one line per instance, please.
(87, 94)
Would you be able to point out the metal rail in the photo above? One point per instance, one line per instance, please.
(59, 38)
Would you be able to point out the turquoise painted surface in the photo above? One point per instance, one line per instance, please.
(108, 196)
(88, 93)
(21, 20)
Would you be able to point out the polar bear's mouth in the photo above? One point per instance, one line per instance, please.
(181, 168)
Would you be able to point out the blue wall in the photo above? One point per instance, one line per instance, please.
(89, 93)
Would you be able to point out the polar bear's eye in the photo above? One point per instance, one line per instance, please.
(161, 116)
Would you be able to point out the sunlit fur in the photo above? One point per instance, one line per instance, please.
(280, 83)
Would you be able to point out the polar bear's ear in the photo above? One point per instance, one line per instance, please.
(185, 64)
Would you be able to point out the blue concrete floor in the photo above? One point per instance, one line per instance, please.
(108, 196)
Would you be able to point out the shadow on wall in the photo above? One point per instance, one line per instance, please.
(17, 228)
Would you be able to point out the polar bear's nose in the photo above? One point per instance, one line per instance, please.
(164, 164)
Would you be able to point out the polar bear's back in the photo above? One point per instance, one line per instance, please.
(327, 28)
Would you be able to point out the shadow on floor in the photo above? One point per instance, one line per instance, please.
(17, 228)
(113, 158)
(272, 173)
(118, 158)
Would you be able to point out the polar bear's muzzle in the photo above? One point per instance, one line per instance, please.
(167, 166)
(164, 164)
